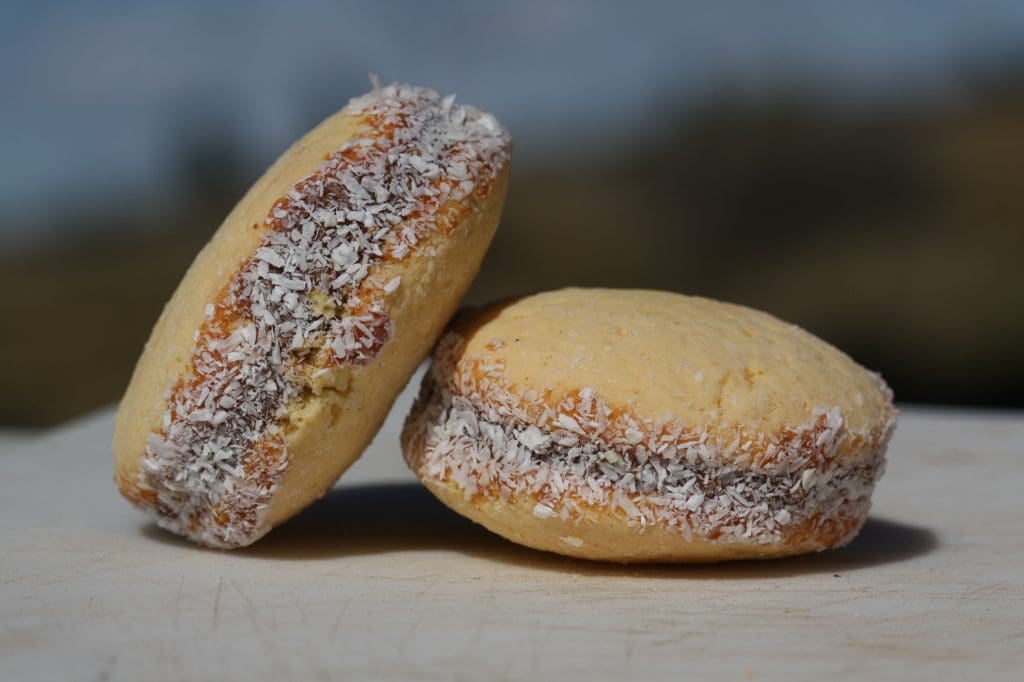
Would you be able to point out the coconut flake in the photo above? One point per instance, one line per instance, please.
(730, 486)
(220, 456)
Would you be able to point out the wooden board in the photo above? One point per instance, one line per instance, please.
(379, 581)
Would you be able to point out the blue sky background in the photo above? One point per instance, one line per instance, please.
(97, 93)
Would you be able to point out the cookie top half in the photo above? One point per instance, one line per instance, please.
(665, 361)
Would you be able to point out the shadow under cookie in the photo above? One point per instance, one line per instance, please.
(405, 517)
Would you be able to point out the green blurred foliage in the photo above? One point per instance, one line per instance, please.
(895, 234)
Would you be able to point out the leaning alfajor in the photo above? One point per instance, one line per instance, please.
(284, 346)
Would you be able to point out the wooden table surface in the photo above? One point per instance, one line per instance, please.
(379, 581)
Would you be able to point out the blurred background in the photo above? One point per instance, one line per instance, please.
(854, 167)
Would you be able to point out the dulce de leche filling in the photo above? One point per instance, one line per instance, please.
(575, 453)
(307, 301)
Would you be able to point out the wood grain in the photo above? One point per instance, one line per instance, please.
(378, 580)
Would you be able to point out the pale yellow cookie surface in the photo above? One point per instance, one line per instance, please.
(668, 355)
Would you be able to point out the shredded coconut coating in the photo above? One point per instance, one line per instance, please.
(575, 452)
(306, 301)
